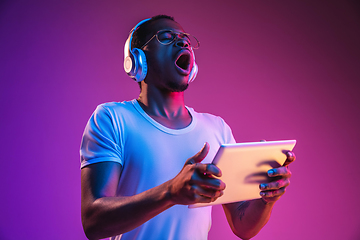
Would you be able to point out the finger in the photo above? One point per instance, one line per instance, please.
(200, 155)
(290, 157)
(275, 185)
(196, 197)
(208, 183)
(208, 169)
(273, 193)
(208, 193)
(281, 171)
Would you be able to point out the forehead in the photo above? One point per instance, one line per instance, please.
(164, 23)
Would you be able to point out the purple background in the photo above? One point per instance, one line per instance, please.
(272, 69)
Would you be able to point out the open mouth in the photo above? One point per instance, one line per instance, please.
(183, 61)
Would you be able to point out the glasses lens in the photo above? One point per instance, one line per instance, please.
(168, 36)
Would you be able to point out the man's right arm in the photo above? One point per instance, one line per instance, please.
(104, 214)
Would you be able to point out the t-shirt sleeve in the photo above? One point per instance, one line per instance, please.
(100, 142)
(227, 133)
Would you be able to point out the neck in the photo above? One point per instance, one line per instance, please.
(161, 103)
(167, 108)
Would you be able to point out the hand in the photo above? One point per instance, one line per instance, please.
(196, 183)
(273, 190)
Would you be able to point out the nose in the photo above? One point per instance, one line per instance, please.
(181, 42)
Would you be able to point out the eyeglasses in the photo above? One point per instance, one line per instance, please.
(167, 37)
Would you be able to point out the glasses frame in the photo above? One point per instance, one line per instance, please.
(176, 37)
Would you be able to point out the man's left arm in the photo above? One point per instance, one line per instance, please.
(247, 218)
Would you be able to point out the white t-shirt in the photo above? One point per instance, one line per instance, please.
(151, 154)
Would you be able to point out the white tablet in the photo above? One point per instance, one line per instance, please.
(244, 166)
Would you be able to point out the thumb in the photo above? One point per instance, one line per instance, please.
(290, 157)
(199, 156)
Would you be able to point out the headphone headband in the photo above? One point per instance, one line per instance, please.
(133, 30)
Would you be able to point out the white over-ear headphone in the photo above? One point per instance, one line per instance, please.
(135, 64)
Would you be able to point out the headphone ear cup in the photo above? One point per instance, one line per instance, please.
(141, 68)
(129, 62)
(135, 64)
(129, 65)
(194, 69)
(193, 73)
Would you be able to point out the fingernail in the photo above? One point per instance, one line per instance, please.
(290, 154)
(262, 194)
(271, 172)
(262, 186)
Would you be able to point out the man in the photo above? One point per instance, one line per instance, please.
(143, 161)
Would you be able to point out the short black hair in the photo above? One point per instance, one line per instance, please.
(139, 34)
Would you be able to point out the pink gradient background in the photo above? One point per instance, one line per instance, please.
(272, 69)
